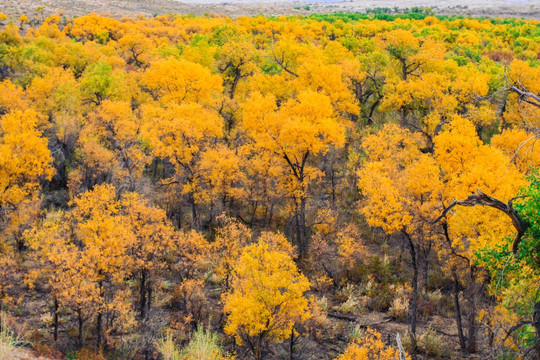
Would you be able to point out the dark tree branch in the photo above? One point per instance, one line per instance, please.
(514, 328)
(282, 65)
(485, 200)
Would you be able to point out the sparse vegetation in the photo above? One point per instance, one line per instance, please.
(10, 343)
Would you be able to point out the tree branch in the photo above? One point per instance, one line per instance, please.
(526, 96)
(485, 200)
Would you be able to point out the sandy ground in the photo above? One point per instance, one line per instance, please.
(529, 9)
(21, 354)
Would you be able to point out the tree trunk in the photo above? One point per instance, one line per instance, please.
(414, 304)
(99, 318)
(403, 116)
(458, 314)
(269, 214)
(425, 271)
(98, 328)
(253, 213)
(237, 76)
(303, 223)
(256, 351)
(333, 182)
(404, 71)
(300, 220)
(55, 319)
(298, 228)
(194, 211)
(149, 301)
(426, 251)
(291, 346)
(142, 294)
(80, 320)
(473, 289)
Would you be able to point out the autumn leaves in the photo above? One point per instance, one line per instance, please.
(144, 132)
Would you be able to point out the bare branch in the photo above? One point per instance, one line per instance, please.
(522, 144)
(526, 96)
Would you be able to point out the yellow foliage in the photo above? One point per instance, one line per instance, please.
(221, 171)
(297, 130)
(520, 146)
(350, 247)
(370, 347)
(468, 165)
(394, 180)
(231, 239)
(210, 115)
(194, 253)
(12, 98)
(111, 143)
(24, 158)
(267, 296)
(88, 253)
(179, 81)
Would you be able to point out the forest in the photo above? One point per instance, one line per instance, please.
(343, 186)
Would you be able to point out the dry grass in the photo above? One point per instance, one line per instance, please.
(204, 345)
(10, 343)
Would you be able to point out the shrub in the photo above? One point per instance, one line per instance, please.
(433, 345)
(434, 302)
(352, 303)
(318, 324)
(190, 296)
(382, 298)
(167, 348)
(88, 353)
(204, 345)
(399, 308)
(400, 305)
(370, 347)
(9, 341)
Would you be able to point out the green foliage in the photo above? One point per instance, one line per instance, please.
(204, 345)
(529, 210)
(99, 82)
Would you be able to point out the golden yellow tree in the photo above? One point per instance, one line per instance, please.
(54, 249)
(222, 177)
(24, 160)
(469, 165)
(231, 239)
(180, 134)
(88, 253)
(153, 240)
(267, 298)
(295, 132)
(106, 243)
(110, 148)
(184, 123)
(181, 81)
(399, 197)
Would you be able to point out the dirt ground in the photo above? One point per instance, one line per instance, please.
(529, 9)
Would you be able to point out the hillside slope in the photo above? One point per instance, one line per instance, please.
(529, 9)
